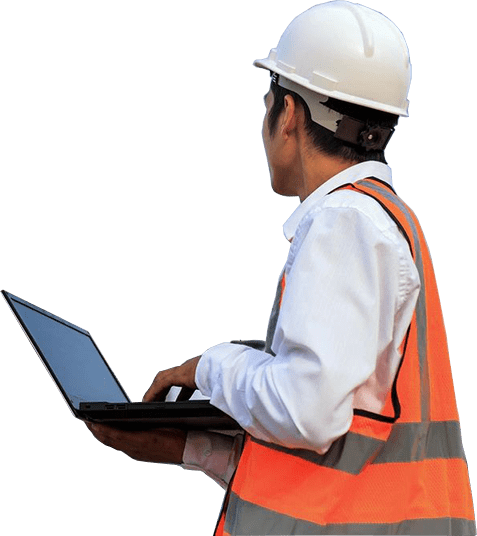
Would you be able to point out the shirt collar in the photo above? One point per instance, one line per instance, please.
(349, 175)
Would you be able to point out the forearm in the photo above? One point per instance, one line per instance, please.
(159, 445)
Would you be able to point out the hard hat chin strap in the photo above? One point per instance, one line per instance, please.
(363, 134)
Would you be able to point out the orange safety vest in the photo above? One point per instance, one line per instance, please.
(402, 471)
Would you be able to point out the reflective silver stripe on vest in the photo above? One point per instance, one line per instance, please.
(272, 323)
(421, 308)
(417, 441)
(245, 518)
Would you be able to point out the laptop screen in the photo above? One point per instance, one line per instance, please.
(71, 356)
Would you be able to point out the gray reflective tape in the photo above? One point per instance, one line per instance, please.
(421, 308)
(349, 453)
(245, 518)
(408, 442)
(412, 442)
(272, 323)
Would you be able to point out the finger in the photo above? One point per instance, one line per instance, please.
(100, 432)
(181, 376)
(185, 394)
(160, 386)
(156, 395)
(111, 437)
(94, 428)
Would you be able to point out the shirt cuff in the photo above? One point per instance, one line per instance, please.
(213, 453)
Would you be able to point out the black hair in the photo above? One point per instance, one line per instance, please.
(323, 139)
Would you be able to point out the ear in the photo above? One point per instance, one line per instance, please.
(289, 121)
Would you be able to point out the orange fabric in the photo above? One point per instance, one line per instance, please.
(409, 381)
(283, 285)
(219, 531)
(393, 492)
(370, 428)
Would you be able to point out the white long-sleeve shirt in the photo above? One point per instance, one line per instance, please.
(351, 289)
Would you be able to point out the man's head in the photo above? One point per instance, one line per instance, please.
(297, 165)
(347, 68)
(373, 122)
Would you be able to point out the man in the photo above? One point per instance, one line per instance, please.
(349, 413)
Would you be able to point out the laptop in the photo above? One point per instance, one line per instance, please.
(90, 387)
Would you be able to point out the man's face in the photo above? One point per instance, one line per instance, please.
(268, 100)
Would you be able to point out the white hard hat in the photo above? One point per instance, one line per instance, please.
(346, 51)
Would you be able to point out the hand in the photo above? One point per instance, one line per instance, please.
(158, 445)
(182, 376)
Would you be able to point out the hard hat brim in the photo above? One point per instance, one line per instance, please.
(272, 66)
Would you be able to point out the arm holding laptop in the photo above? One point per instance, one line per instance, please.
(157, 445)
(215, 454)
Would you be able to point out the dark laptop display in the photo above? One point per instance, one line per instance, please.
(88, 384)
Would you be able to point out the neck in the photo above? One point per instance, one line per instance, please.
(316, 169)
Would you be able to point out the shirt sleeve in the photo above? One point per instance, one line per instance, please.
(346, 282)
(215, 454)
